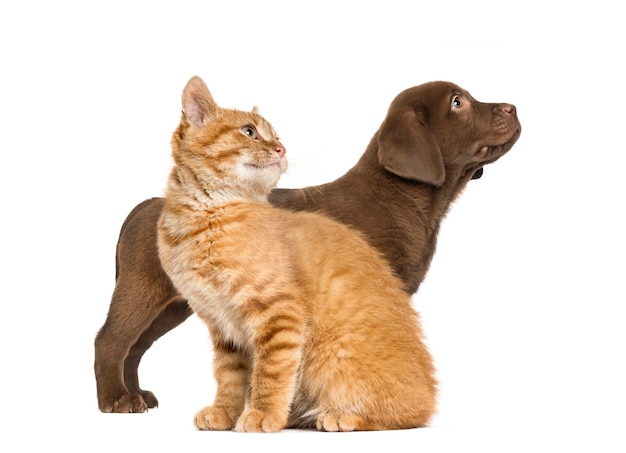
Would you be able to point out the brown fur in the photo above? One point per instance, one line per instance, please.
(315, 328)
(393, 201)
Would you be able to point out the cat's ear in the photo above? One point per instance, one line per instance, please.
(256, 110)
(198, 104)
(407, 147)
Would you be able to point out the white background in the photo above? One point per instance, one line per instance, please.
(523, 305)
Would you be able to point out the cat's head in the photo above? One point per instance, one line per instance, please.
(223, 146)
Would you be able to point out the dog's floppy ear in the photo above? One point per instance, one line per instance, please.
(407, 147)
(198, 104)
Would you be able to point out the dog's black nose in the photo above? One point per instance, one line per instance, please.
(478, 173)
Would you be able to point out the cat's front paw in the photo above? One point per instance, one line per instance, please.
(216, 418)
(256, 421)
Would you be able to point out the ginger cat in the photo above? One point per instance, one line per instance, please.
(310, 327)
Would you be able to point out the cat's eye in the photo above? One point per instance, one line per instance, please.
(250, 131)
(456, 102)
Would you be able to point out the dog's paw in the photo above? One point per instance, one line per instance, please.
(150, 399)
(336, 421)
(126, 404)
(216, 418)
(256, 421)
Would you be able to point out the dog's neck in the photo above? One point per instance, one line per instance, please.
(433, 201)
(399, 216)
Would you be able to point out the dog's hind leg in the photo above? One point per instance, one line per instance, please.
(133, 323)
(144, 306)
(172, 315)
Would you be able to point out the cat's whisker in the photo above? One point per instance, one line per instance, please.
(314, 189)
(302, 174)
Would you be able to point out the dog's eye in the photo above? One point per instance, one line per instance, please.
(456, 102)
(250, 131)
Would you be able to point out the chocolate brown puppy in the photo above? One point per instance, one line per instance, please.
(435, 138)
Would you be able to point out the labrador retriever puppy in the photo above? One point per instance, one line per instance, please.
(435, 138)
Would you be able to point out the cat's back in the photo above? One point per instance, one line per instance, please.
(328, 254)
(257, 245)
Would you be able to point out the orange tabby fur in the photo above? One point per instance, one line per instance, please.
(309, 325)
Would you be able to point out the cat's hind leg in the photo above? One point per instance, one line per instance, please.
(340, 421)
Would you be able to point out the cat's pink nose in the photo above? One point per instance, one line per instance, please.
(281, 151)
